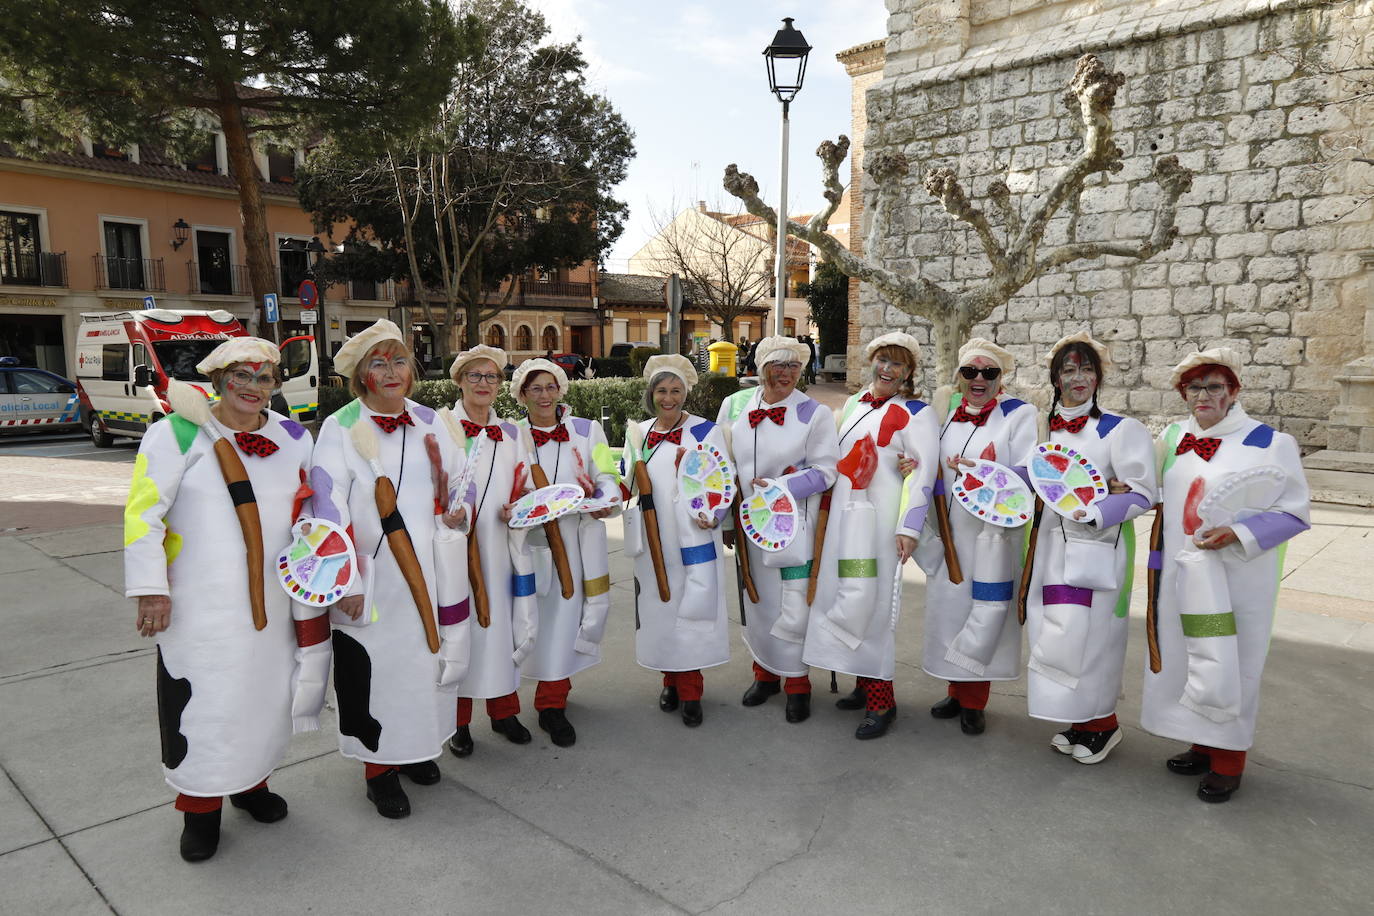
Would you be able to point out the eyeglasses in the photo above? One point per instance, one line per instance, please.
(261, 380)
(788, 367)
(537, 390)
(491, 378)
(972, 372)
(1214, 390)
(889, 363)
(382, 364)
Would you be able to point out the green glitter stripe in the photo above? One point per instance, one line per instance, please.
(797, 572)
(1195, 625)
(858, 569)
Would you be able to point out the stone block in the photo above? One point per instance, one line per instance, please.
(1314, 120)
(1111, 303)
(1273, 268)
(1333, 351)
(1087, 281)
(1149, 275)
(1282, 351)
(1241, 297)
(1145, 401)
(1138, 224)
(1267, 67)
(1046, 332)
(1207, 189)
(1286, 152)
(1187, 219)
(1332, 265)
(1303, 404)
(1343, 207)
(1006, 136)
(1201, 135)
(1158, 326)
(1275, 214)
(1241, 243)
(1203, 327)
(1108, 329)
(1261, 126)
(1221, 272)
(1214, 104)
(1240, 40)
(1305, 89)
(1258, 97)
(1227, 218)
(1177, 111)
(1299, 181)
(1233, 158)
(1186, 273)
(1151, 301)
(1193, 300)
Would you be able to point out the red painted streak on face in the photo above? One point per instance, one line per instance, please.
(370, 381)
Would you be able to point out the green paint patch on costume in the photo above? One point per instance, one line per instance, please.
(737, 402)
(348, 414)
(1171, 437)
(606, 461)
(1123, 600)
(1195, 625)
(143, 495)
(797, 572)
(185, 431)
(171, 545)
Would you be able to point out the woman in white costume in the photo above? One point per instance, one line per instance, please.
(690, 631)
(1077, 608)
(393, 715)
(971, 634)
(499, 476)
(570, 450)
(1234, 494)
(224, 689)
(875, 520)
(780, 434)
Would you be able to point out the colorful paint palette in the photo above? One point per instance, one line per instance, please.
(318, 566)
(993, 493)
(705, 479)
(769, 517)
(545, 505)
(1065, 479)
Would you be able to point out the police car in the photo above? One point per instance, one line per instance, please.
(35, 399)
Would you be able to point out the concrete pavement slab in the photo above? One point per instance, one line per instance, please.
(58, 616)
(19, 825)
(80, 542)
(44, 879)
(106, 568)
(18, 556)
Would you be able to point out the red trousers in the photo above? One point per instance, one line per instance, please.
(1104, 724)
(497, 707)
(971, 694)
(195, 804)
(552, 694)
(1227, 763)
(689, 684)
(791, 685)
(878, 694)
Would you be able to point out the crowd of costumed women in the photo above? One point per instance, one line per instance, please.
(433, 558)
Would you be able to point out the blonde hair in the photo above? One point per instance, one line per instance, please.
(388, 349)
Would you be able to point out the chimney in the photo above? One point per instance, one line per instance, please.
(701, 205)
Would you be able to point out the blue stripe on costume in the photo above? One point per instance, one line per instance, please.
(520, 586)
(1009, 405)
(701, 553)
(915, 406)
(991, 591)
(1260, 437)
(702, 430)
(1106, 423)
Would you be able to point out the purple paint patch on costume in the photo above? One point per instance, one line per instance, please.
(1260, 437)
(806, 482)
(916, 516)
(322, 503)
(425, 414)
(1156, 560)
(293, 429)
(453, 613)
(582, 426)
(1067, 594)
(1115, 506)
(509, 429)
(806, 408)
(1106, 423)
(1273, 528)
(939, 485)
(598, 493)
(1021, 472)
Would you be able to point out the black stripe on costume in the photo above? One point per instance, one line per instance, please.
(353, 691)
(241, 492)
(393, 522)
(646, 502)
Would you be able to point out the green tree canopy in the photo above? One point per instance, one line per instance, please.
(828, 295)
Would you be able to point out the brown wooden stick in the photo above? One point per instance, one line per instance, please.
(956, 574)
(246, 508)
(646, 506)
(1152, 578)
(818, 548)
(555, 538)
(481, 601)
(1029, 568)
(398, 539)
(742, 555)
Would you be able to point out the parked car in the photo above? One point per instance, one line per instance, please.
(571, 363)
(622, 350)
(36, 399)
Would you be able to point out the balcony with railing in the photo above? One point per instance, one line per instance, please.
(146, 274)
(370, 291)
(207, 278)
(43, 268)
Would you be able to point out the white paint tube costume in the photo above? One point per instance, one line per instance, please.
(1080, 589)
(854, 617)
(691, 630)
(794, 442)
(570, 629)
(1216, 607)
(971, 631)
(225, 689)
(386, 680)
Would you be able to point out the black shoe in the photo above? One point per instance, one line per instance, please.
(947, 708)
(798, 707)
(691, 713)
(555, 722)
(1065, 741)
(460, 745)
(510, 727)
(386, 794)
(972, 721)
(265, 807)
(760, 691)
(1217, 788)
(424, 773)
(199, 835)
(1189, 763)
(1093, 747)
(875, 724)
(856, 700)
(667, 700)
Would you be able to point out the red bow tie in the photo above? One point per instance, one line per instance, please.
(977, 419)
(254, 444)
(558, 434)
(1074, 426)
(1205, 448)
(776, 414)
(675, 437)
(391, 424)
(475, 429)
(868, 398)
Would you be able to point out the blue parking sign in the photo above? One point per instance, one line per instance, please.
(149, 302)
(269, 303)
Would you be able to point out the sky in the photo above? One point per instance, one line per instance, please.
(690, 80)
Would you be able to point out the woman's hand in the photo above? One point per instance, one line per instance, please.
(906, 464)
(506, 511)
(1215, 538)
(1080, 514)
(1117, 487)
(352, 606)
(602, 513)
(758, 483)
(154, 614)
(457, 518)
(905, 546)
(954, 461)
(706, 524)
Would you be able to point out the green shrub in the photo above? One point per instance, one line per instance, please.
(331, 399)
(639, 356)
(606, 367)
(711, 390)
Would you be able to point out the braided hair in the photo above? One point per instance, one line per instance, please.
(1087, 356)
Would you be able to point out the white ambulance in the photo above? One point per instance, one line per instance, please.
(124, 359)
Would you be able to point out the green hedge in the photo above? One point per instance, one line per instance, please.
(639, 356)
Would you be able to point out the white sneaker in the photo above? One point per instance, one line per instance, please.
(1093, 747)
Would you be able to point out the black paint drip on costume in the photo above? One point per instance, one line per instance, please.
(172, 696)
(353, 688)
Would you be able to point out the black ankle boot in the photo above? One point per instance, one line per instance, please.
(199, 835)
(263, 806)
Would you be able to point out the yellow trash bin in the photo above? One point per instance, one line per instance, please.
(723, 357)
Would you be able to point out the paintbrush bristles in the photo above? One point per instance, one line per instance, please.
(364, 438)
(455, 429)
(188, 403)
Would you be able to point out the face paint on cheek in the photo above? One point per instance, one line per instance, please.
(370, 381)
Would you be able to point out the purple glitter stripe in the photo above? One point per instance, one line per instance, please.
(453, 613)
(805, 483)
(1273, 528)
(1156, 560)
(1067, 594)
(1115, 506)
(322, 503)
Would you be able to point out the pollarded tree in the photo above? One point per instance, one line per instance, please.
(1014, 253)
(149, 72)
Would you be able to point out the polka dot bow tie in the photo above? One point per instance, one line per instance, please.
(977, 419)
(391, 424)
(475, 429)
(675, 437)
(1074, 426)
(558, 434)
(254, 444)
(868, 398)
(1205, 448)
(776, 414)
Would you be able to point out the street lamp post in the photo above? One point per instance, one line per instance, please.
(316, 249)
(786, 58)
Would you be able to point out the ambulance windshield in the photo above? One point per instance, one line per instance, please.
(179, 357)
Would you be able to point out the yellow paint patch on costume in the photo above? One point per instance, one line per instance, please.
(171, 545)
(143, 495)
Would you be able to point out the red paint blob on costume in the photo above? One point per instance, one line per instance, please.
(1191, 520)
(894, 420)
(989, 453)
(861, 462)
